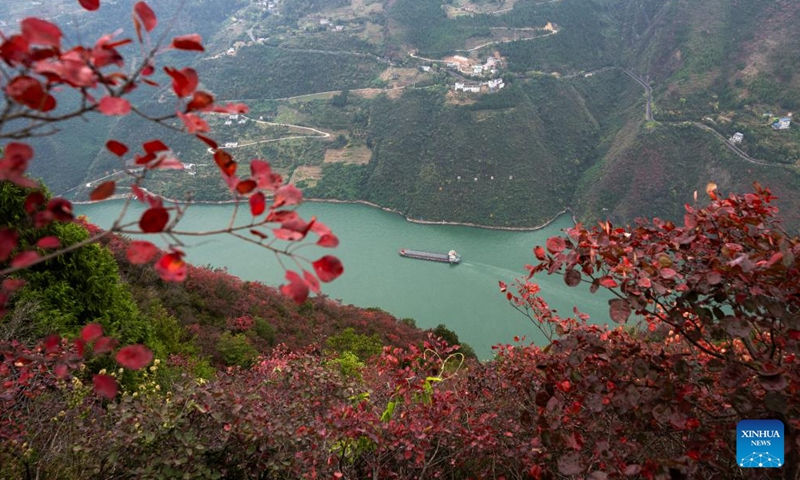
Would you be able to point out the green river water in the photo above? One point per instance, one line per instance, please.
(464, 297)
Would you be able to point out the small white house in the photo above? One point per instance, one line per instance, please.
(495, 84)
(737, 138)
(477, 69)
(782, 123)
(458, 87)
(425, 68)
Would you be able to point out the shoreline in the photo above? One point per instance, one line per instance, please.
(368, 204)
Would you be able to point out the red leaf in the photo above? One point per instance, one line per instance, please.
(194, 123)
(41, 32)
(166, 162)
(91, 332)
(668, 273)
(15, 162)
(211, 143)
(231, 108)
(539, 252)
(246, 186)
(328, 268)
(140, 252)
(105, 386)
(15, 50)
(103, 191)
(33, 202)
(48, 243)
(25, 259)
(191, 42)
(171, 267)
(326, 238)
(619, 310)
(146, 15)
(61, 371)
(105, 345)
(114, 106)
(296, 289)
(184, 81)
(200, 101)
(80, 346)
(117, 148)
(28, 91)
(134, 357)
(311, 280)
(12, 284)
(288, 235)
(608, 282)
(8, 242)
(257, 204)
(61, 209)
(52, 343)
(572, 278)
(154, 220)
(262, 173)
(154, 146)
(556, 245)
(287, 195)
(225, 162)
(90, 4)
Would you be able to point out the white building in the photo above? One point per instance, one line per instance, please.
(782, 123)
(495, 84)
(737, 138)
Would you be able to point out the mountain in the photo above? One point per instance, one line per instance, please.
(568, 130)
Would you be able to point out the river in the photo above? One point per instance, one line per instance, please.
(464, 297)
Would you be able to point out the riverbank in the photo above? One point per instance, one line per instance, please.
(368, 204)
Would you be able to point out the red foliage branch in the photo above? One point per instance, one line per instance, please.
(725, 285)
(39, 63)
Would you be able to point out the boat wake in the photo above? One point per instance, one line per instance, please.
(491, 270)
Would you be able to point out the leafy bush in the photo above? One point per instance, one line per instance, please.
(362, 346)
(236, 349)
(264, 330)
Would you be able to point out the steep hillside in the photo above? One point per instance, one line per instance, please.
(569, 129)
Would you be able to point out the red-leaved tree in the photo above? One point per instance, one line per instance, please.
(720, 298)
(100, 77)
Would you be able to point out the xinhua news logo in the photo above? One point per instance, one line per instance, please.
(759, 443)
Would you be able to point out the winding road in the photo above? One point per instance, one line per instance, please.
(648, 89)
(733, 148)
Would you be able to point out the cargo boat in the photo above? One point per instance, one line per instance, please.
(450, 257)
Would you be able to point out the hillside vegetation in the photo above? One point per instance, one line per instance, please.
(569, 129)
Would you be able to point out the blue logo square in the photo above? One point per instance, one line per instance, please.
(759, 444)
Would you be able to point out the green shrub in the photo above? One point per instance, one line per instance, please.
(264, 330)
(362, 346)
(236, 350)
(349, 364)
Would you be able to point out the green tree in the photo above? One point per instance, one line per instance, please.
(80, 287)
